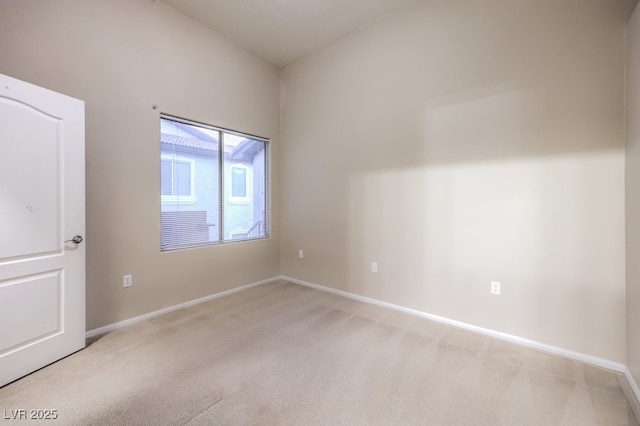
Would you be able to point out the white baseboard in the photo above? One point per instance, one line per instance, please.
(134, 320)
(633, 384)
(589, 359)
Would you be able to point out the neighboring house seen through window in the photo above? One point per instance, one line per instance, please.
(213, 185)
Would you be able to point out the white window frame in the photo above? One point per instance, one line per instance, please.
(182, 199)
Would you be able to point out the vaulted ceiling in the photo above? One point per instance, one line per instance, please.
(283, 30)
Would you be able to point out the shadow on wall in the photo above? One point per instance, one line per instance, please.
(486, 192)
(550, 227)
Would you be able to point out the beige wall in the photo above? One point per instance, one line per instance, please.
(121, 57)
(456, 143)
(633, 195)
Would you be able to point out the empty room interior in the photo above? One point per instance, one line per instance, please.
(425, 213)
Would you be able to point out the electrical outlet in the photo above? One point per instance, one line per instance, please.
(495, 288)
(300, 254)
(374, 266)
(127, 280)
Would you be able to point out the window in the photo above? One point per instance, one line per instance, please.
(213, 185)
(177, 179)
(239, 184)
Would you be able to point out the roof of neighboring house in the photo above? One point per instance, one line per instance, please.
(189, 142)
(244, 150)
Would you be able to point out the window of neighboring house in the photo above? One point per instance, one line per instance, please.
(177, 179)
(213, 185)
(239, 184)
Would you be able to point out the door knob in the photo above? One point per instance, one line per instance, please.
(75, 240)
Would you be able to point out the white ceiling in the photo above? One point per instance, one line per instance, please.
(283, 30)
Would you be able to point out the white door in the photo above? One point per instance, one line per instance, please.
(42, 275)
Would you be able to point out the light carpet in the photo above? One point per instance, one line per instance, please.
(282, 354)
